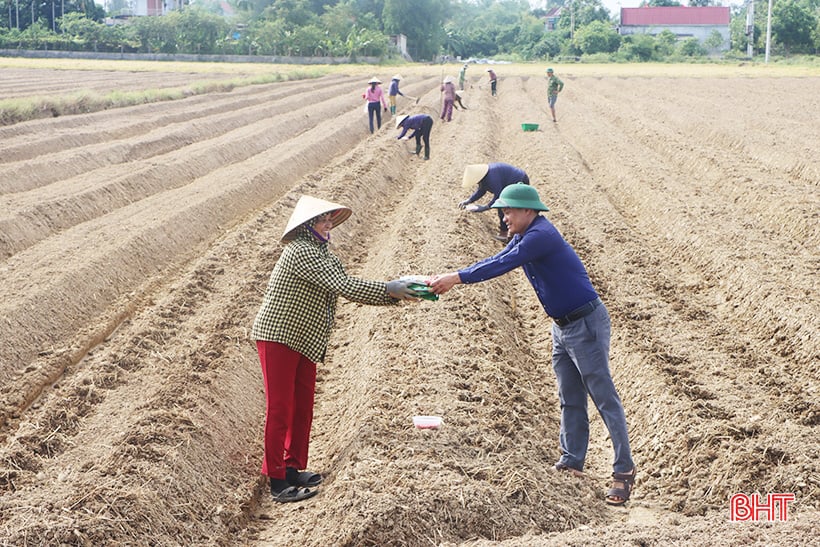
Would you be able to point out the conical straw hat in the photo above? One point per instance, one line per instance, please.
(308, 208)
(400, 119)
(473, 174)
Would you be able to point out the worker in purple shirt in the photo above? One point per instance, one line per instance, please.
(581, 330)
(421, 124)
(492, 178)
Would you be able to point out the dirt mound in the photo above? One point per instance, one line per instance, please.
(135, 245)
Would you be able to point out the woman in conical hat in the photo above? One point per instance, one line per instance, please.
(491, 178)
(374, 95)
(291, 330)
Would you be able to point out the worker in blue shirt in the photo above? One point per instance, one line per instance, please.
(392, 92)
(421, 124)
(492, 178)
(580, 331)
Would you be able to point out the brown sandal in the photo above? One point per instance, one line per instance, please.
(622, 484)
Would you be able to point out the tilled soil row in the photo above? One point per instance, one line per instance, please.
(673, 280)
(110, 176)
(145, 237)
(156, 433)
(144, 132)
(19, 82)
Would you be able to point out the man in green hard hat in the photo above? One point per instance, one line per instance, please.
(554, 87)
(580, 329)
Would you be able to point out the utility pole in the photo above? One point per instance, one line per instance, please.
(750, 29)
(769, 31)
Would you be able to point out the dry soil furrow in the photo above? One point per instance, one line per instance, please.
(37, 138)
(674, 208)
(24, 83)
(691, 358)
(166, 355)
(194, 152)
(161, 135)
(136, 243)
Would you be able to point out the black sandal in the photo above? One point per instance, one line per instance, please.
(302, 478)
(622, 484)
(293, 493)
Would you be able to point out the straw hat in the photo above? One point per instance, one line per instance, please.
(374, 80)
(308, 208)
(396, 77)
(447, 80)
(473, 174)
(400, 119)
(519, 196)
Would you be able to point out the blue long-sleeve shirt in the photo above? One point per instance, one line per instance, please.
(499, 176)
(553, 268)
(412, 122)
(394, 88)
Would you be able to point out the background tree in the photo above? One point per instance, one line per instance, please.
(691, 47)
(422, 21)
(714, 41)
(665, 43)
(792, 26)
(637, 47)
(597, 37)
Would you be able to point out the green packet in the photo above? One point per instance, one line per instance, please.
(424, 291)
(417, 283)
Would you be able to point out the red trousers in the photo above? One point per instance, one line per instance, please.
(290, 382)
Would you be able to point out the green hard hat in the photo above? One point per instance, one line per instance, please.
(519, 196)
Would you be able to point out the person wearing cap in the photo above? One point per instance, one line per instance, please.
(554, 87)
(291, 330)
(492, 178)
(374, 95)
(392, 92)
(448, 88)
(462, 76)
(493, 81)
(581, 330)
(421, 124)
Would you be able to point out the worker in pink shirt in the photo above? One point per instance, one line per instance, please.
(375, 95)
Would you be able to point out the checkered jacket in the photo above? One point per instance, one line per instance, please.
(300, 302)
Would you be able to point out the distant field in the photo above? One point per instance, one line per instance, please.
(740, 69)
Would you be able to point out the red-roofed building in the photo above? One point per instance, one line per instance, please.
(685, 22)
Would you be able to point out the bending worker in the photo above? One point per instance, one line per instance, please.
(292, 328)
(421, 124)
(492, 178)
(581, 330)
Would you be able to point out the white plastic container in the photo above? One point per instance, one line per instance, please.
(427, 422)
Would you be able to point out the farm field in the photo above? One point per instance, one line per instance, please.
(136, 243)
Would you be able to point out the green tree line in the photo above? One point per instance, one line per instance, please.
(508, 29)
